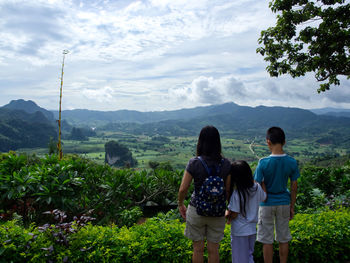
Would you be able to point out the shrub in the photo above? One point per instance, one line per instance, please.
(320, 187)
(322, 237)
(30, 186)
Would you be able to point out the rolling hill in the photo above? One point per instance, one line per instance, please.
(231, 119)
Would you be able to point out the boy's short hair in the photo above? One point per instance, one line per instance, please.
(276, 135)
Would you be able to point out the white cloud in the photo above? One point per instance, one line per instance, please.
(145, 55)
(104, 94)
(207, 90)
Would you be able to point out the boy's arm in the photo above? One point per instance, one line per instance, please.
(293, 197)
(263, 186)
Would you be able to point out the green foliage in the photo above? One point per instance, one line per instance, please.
(118, 155)
(323, 237)
(78, 134)
(320, 187)
(309, 36)
(30, 186)
(153, 164)
(52, 145)
(19, 129)
(130, 216)
(160, 165)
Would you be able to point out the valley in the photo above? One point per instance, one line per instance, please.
(170, 137)
(177, 150)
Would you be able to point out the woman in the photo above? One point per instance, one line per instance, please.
(199, 227)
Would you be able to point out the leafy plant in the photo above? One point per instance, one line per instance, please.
(321, 237)
(128, 217)
(30, 187)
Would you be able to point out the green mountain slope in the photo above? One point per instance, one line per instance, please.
(19, 129)
(248, 122)
(29, 107)
(230, 118)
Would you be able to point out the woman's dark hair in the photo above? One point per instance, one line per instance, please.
(242, 178)
(209, 143)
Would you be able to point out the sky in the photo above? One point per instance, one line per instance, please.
(150, 55)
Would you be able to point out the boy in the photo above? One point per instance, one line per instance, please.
(273, 173)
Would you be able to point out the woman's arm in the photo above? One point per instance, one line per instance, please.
(228, 186)
(185, 184)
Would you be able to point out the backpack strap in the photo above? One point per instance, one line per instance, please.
(218, 167)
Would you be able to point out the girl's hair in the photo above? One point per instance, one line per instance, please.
(242, 178)
(209, 143)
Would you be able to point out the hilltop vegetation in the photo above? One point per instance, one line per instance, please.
(90, 212)
(30, 186)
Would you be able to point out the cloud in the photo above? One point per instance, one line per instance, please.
(145, 55)
(104, 94)
(277, 91)
(208, 90)
(340, 94)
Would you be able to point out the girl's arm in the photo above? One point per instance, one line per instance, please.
(230, 215)
(185, 184)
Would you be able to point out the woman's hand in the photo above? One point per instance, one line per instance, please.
(185, 184)
(183, 209)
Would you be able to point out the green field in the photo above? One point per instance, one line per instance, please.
(178, 150)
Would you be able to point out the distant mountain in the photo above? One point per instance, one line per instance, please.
(231, 120)
(339, 114)
(248, 122)
(97, 118)
(29, 107)
(332, 112)
(20, 129)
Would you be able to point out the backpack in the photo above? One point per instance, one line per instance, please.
(211, 198)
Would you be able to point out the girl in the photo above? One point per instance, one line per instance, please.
(243, 211)
(210, 227)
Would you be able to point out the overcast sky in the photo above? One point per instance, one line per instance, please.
(145, 55)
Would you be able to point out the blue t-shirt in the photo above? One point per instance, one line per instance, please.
(274, 171)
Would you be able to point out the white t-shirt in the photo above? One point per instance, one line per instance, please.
(245, 226)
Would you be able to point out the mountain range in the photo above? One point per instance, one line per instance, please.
(229, 118)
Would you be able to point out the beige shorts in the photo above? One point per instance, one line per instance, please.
(204, 227)
(271, 217)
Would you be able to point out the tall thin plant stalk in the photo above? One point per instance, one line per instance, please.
(59, 144)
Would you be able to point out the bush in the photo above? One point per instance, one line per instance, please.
(319, 188)
(30, 186)
(323, 237)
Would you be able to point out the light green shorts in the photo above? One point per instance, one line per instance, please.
(204, 227)
(271, 217)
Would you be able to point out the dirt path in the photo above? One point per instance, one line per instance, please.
(252, 149)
